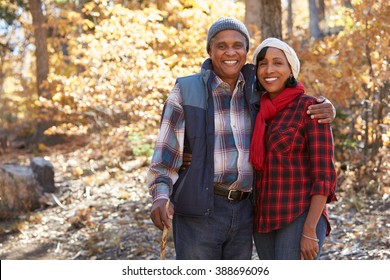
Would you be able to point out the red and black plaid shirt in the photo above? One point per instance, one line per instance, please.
(299, 163)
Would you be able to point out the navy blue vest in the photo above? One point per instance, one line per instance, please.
(193, 192)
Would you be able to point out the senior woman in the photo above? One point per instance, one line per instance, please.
(294, 157)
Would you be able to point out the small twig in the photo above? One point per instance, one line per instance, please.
(58, 248)
(24, 234)
(58, 202)
(164, 236)
(76, 256)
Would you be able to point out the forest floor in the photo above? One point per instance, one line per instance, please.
(101, 211)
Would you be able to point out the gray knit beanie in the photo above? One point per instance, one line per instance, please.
(227, 23)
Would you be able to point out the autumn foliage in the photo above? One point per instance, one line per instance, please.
(112, 64)
(351, 68)
(124, 62)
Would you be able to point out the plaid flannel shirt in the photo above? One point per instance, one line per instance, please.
(299, 164)
(232, 141)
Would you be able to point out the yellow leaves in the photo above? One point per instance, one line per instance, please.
(97, 179)
(155, 16)
(127, 62)
(87, 24)
(100, 97)
(42, 147)
(88, 7)
(160, 36)
(11, 85)
(73, 16)
(57, 97)
(125, 195)
(347, 61)
(78, 172)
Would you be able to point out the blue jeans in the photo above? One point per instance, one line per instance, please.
(225, 234)
(284, 244)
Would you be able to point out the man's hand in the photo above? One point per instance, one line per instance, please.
(160, 216)
(324, 111)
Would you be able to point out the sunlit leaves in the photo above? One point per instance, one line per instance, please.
(132, 58)
(111, 66)
(351, 69)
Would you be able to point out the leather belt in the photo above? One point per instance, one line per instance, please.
(231, 194)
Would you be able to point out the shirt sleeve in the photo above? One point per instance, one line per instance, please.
(168, 152)
(321, 149)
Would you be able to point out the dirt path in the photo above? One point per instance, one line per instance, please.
(104, 214)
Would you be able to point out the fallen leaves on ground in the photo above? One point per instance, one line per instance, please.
(102, 212)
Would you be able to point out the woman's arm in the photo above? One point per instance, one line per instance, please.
(309, 241)
(323, 177)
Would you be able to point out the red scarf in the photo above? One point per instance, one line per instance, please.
(269, 109)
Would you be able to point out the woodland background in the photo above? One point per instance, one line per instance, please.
(83, 82)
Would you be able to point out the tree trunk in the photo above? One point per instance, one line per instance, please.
(271, 18)
(366, 118)
(252, 16)
(314, 26)
(41, 53)
(2, 70)
(383, 101)
(289, 18)
(321, 10)
(347, 3)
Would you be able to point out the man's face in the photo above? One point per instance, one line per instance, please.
(228, 55)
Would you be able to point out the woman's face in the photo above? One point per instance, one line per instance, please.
(273, 71)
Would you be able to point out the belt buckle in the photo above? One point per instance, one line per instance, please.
(229, 195)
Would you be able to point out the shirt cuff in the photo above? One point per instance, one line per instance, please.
(160, 192)
(324, 188)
